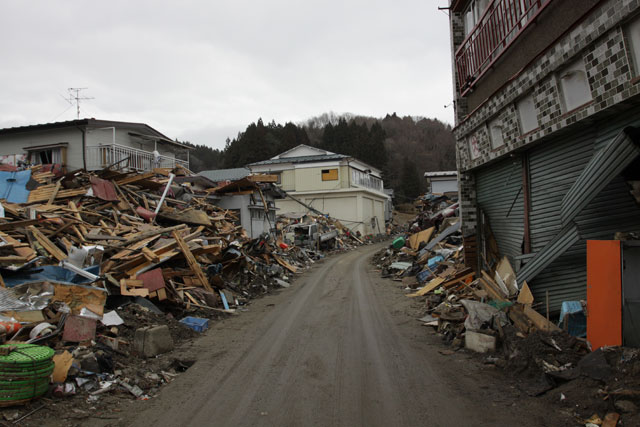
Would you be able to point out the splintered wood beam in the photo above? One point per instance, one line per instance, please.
(191, 260)
(55, 192)
(47, 244)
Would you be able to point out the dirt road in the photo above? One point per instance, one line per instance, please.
(338, 348)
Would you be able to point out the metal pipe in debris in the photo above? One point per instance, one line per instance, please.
(164, 194)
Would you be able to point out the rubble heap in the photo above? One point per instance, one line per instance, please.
(112, 267)
(487, 312)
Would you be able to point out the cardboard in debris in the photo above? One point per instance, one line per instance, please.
(63, 362)
(525, 296)
(422, 236)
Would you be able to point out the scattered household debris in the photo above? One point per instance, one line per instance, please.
(112, 269)
(487, 312)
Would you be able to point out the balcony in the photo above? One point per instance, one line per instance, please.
(102, 156)
(499, 26)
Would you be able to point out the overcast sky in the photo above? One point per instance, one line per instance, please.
(203, 70)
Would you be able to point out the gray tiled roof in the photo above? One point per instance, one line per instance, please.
(225, 174)
(301, 159)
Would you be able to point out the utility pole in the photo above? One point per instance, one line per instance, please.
(77, 98)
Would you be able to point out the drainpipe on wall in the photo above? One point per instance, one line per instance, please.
(84, 147)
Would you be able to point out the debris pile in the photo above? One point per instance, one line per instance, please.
(111, 268)
(487, 312)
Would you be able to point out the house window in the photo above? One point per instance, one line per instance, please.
(575, 86)
(473, 13)
(527, 114)
(365, 179)
(329, 174)
(495, 134)
(257, 214)
(46, 157)
(633, 36)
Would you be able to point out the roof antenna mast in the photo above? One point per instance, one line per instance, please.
(77, 98)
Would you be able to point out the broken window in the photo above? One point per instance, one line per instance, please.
(527, 114)
(329, 174)
(46, 157)
(575, 86)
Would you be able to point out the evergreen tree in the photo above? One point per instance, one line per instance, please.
(411, 182)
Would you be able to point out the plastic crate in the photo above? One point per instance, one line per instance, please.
(198, 324)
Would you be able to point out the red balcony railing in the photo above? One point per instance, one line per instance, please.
(500, 25)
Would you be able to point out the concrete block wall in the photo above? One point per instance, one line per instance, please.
(598, 41)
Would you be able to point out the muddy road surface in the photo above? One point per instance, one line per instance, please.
(341, 347)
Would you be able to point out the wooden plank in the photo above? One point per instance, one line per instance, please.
(525, 296)
(39, 197)
(150, 255)
(519, 319)
(12, 259)
(192, 216)
(502, 292)
(47, 244)
(539, 320)
(611, 419)
(461, 279)
(135, 178)
(433, 284)
(285, 264)
(28, 253)
(263, 178)
(76, 213)
(136, 292)
(134, 247)
(55, 192)
(193, 264)
(145, 234)
(493, 293)
(17, 224)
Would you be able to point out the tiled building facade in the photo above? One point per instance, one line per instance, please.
(568, 69)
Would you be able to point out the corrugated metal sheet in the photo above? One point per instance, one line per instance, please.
(558, 246)
(555, 167)
(500, 196)
(606, 164)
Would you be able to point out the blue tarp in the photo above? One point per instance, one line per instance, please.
(13, 186)
(49, 272)
(577, 321)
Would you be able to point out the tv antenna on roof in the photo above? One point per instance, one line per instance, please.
(77, 98)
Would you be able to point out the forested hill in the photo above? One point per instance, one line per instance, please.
(403, 147)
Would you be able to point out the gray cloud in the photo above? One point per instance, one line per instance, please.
(203, 70)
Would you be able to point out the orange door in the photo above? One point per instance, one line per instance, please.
(604, 293)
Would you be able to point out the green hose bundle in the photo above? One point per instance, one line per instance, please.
(24, 372)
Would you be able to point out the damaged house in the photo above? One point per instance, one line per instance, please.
(92, 144)
(547, 106)
(251, 198)
(320, 181)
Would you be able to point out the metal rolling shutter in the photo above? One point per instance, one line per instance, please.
(500, 196)
(554, 168)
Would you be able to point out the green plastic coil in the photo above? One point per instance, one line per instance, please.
(25, 372)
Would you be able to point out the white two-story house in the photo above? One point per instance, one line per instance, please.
(335, 184)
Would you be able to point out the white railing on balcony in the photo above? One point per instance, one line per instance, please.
(101, 156)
